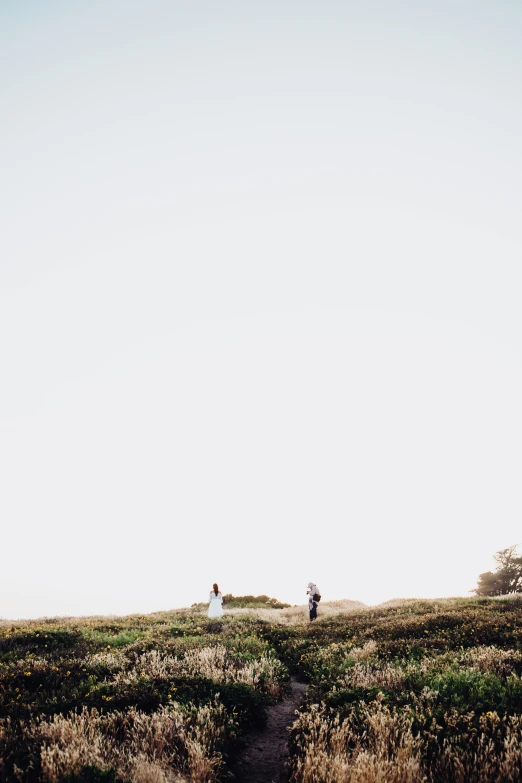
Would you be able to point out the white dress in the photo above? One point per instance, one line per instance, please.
(215, 608)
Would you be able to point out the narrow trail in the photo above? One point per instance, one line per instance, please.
(265, 759)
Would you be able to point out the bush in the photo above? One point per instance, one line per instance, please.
(252, 602)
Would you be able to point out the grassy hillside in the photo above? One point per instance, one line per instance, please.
(412, 691)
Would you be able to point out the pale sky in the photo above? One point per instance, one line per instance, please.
(260, 300)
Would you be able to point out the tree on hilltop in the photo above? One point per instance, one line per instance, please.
(506, 579)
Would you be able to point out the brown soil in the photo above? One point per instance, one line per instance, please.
(265, 759)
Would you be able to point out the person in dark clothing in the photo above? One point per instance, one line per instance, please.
(314, 596)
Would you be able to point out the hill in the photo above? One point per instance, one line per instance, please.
(413, 691)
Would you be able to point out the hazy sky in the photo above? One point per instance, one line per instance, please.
(260, 299)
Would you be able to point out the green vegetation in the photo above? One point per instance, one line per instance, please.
(252, 602)
(416, 692)
(127, 699)
(412, 691)
(247, 602)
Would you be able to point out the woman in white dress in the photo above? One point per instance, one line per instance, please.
(215, 600)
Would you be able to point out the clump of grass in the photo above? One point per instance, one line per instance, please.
(373, 744)
(133, 745)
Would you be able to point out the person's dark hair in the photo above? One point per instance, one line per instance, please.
(216, 588)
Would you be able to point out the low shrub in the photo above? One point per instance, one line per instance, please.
(421, 691)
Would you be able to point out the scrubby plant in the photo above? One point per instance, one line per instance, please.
(447, 674)
(411, 691)
(76, 709)
(252, 602)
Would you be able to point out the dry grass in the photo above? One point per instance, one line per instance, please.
(416, 692)
(166, 746)
(297, 615)
(399, 603)
(170, 743)
(217, 664)
(326, 608)
(374, 746)
(66, 621)
(290, 616)
(435, 716)
(492, 659)
(377, 745)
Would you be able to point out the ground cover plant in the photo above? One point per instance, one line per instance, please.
(410, 691)
(419, 691)
(166, 697)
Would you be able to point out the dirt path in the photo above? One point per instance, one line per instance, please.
(264, 761)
